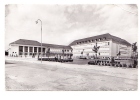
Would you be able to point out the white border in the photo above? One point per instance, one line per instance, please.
(52, 95)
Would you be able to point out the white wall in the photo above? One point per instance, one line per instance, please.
(104, 48)
(14, 48)
(125, 50)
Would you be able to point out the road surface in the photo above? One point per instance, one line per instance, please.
(55, 76)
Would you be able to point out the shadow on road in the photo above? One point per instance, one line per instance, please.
(8, 62)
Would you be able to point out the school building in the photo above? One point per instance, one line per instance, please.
(109, 46)
(31, 48)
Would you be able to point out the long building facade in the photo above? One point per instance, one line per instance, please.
(109, 46)
(31, 48)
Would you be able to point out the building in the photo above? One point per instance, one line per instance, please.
(109, 46)
(31, 48)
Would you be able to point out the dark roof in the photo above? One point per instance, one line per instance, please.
(36, 43)
(26, 42)
(107, 36)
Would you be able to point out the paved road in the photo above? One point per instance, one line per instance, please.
(55, 76)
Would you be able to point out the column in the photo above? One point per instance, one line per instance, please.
(33, 50)
(28, 51)
(23, 51)
(37, 51)
(111, 43)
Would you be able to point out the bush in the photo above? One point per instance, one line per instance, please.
(113, 64)
(124, 65)
(119, 65)
(91, 63)
(130, 66)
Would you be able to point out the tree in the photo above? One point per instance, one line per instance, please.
(48, 52)
(134, 49)
(63, 53)
(95, 49)
(118, 54)
(135, 54)
(82, 52)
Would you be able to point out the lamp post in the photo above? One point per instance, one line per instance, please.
(41, 37)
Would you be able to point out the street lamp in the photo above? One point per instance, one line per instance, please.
(41, 37)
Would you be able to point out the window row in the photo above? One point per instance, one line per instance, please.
(31, 49)
(35, 49)
(93, 40)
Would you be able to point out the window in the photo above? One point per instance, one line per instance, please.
(104, 38)
(35, 49)
(20, 53)
(108, 43)
(30, 54)
(43, 49)
(30, 49)
(20, 48)
(26, 49)
(39, 49)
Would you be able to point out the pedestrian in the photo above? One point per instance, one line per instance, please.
(112, 61)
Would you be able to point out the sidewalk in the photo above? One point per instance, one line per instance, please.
(20, 58)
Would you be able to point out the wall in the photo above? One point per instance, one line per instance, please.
(124, 50)
(13, 48)
(104, 49)
(114, 49)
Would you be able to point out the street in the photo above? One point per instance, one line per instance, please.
(55, 76)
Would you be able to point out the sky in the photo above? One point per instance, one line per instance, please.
(62, 24)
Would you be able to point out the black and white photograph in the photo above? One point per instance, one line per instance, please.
(71, 47)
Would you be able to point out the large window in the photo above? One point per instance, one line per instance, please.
(43, 49)
(31, 49)
(20, 48)
(26, 49)
(35, 49)
(39, 49)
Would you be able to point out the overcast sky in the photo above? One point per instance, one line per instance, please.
(63, 24)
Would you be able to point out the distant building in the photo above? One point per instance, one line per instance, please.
(31, 48)
(110, 46)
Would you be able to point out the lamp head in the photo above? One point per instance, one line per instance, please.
(36, 22)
